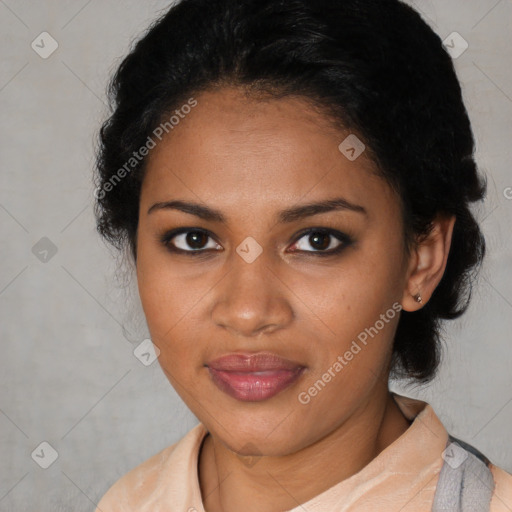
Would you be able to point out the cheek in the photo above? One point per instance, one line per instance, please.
(354, 353)
(163, 288)
(169, 299)
(162, 297)
(358, 306)
(165, 308)
(351, 296)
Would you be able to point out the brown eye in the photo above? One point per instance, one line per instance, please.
(322, 241)
(196, 239)
(189, 240)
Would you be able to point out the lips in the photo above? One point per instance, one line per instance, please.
(253, 377)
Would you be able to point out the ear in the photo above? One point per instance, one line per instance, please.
(427, 263)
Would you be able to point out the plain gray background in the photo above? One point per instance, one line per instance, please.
(68, 373)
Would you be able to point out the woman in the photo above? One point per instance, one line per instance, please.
(293, 181)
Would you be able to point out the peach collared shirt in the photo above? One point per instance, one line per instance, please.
(402, 478)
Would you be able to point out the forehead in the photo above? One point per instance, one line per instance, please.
(230, 148)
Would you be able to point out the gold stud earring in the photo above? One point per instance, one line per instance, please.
(418, 298)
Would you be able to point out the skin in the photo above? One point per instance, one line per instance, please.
(250, 159)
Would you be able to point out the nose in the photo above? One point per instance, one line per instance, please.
(252, 298)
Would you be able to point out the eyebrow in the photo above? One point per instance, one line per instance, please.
(285, 216)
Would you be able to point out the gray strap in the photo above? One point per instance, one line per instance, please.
(465, 482)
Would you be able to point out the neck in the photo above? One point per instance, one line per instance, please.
(282, 483)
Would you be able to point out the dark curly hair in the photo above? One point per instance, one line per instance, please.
(374, 66)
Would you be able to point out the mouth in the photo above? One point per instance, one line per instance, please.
(254, 377)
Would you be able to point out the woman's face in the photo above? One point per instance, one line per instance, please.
(261, 278)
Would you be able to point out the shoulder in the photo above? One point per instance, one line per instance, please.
(133, 487)
(502, 496)
(501, 499)
(159, 479)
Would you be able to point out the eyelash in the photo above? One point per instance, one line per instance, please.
(344, 239)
